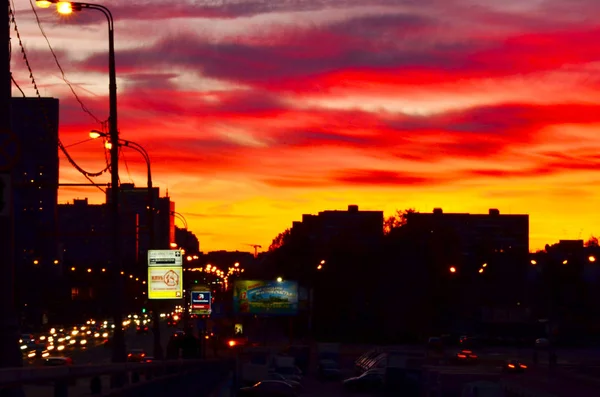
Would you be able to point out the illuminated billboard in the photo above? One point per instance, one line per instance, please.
(265, 297)
(201, 302)
(165, 282)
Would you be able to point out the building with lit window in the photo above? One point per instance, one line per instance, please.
(35, 179)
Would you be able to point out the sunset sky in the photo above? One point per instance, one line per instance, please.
(257, 111)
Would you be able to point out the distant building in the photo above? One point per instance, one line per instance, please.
(85, 235)
(484, 257)
(351, 227)
(35, 179)
(491, 231)
(187, 240)
(135, 200)
(563, 279)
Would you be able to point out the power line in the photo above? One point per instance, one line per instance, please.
(17, 85)
(62, 72)
(87, 175)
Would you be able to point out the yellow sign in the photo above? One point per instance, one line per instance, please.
(165, 282)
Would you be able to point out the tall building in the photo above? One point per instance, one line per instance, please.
(35, 178)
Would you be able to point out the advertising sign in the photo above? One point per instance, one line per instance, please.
(165, 258)
(265, 297)
(165, 282)
(201, 302)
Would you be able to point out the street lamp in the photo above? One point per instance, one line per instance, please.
(95, 134)
(119, 354)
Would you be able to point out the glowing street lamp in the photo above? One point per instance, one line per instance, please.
(591, 258)
(452, 269)
(63, 7)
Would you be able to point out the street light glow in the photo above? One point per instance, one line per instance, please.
(592, 258)
(279, 279)
(43, 3)
(452, 269)
(108, 145)
(565, 262)
(95, 134)
(533, 262)
(64, 7)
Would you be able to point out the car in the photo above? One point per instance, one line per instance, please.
(366, 356)
(58, 361)
(142, 329)
(370, 381)
(435, 345)
(269, 388)
(514, 367)
(466, 357)
(328, 369)
(136, 355)
(289, 373)
(275, 376)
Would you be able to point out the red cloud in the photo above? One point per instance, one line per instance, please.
(382, 178)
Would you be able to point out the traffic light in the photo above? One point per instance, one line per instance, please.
(143, 310)
(195, 281)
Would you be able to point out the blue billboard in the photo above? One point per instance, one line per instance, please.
(265, 297)
(201, 302)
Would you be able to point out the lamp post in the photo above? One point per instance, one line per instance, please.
(65, 8)
(94, 134)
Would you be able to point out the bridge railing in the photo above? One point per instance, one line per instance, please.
(126, 379)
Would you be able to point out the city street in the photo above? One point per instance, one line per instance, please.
(101, 355)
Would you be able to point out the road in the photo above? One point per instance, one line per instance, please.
(99, 355)
(557, 383)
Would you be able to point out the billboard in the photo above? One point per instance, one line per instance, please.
(165, 258)
(201, 302)
(265, 297)
(165, 282)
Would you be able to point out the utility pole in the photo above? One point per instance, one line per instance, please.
(10, 355)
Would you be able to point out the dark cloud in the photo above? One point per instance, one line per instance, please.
(160, 81)
(371, 177)
(290, 54)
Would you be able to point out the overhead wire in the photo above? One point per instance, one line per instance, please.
(62, 72)
(86, 174)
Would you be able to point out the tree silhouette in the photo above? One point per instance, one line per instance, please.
(592, 242)
(397, 220)
(280, 240)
